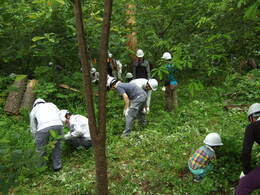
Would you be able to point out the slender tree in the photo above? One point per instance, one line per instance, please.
(131, 23)
(98, 133)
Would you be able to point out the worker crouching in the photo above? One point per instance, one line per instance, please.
(200, 162)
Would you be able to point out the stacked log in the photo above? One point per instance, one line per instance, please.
(29, 95)
(15, 96)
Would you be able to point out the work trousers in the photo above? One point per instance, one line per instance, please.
(171, 97)
(135, 111)
(42, 140)
(79, 141)
(249, 183)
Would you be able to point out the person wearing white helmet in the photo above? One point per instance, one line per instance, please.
(141, 67)
(44, 118)
(170, 83)
(114, 67)
(129, 76)
(79, 134)
(94, 75)
(148, 86)
(137, 96)
(250, 177)
(200, 162)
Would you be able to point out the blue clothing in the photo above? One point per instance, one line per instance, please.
(171, 69)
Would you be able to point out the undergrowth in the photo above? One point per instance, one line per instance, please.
(153, 160)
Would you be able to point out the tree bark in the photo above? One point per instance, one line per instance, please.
(132, 37)
(29, 95)
(98, 135)
(15, 96)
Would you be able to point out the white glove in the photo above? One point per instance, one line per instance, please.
(125, 113)
(163, 88)
(146, 110)
(242, 175)
(67, 136)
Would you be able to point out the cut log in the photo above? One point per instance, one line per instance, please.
(15, 96)
(241, 107)
(29, 95)
(68, 87)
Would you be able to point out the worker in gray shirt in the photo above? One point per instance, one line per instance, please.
(130, 93)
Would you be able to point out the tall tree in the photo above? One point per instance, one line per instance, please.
(98, 133)
(131, 22)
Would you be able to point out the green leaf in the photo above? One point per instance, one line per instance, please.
(4, 141)
(34, 39)
(251, 12)
(61, 2)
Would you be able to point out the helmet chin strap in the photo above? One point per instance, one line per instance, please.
(253, 119)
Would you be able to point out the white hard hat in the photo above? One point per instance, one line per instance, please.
(93, 70)
(62, 114)
(110, 80)
(213, 139)
(129, 75)
(167, 56)
(37, 101)
(254, 108)
(153, 84)
(109, 54)
(139, 53)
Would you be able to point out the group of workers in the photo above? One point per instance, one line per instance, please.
(141, 69)
(46, 117)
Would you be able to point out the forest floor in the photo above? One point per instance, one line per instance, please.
(152, 160)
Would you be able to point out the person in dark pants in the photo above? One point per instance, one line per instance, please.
(44, 118)
(79, 134)
(170, 83)
(250, 178)
(114, 67)
(133, 110)
(141, 67)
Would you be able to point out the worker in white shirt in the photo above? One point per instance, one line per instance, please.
(79, 134)
(44, 118)
(148, 85)
(94, 75)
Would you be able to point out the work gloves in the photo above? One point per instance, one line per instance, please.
(146, 110)
(241, 175)
(125, 113)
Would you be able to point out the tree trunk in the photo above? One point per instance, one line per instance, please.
(15, 96)
(132, 37)
(98, 135)
(29, 95)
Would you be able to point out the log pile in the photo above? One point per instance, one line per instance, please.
(20, 95)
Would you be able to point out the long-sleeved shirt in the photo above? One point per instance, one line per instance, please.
(114, 68)
(142, 84)
(141, 69)
(44, 115)
(201, 158)
(252, 134)
(79, 127)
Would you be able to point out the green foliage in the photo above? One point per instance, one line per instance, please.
(243, 87)
(153, 160)
(18, 159)
(195, 86)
